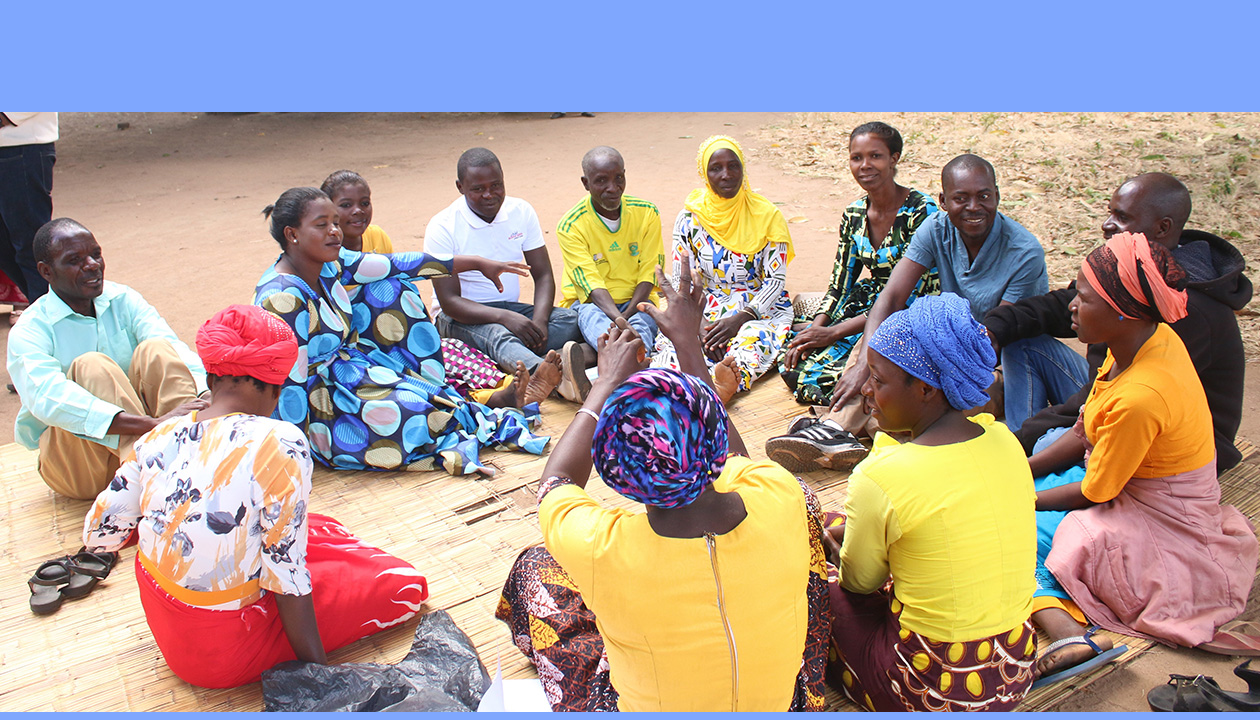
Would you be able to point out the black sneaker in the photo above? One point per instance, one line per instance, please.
(800, 423)
(822, 444)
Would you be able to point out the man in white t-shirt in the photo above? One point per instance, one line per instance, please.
(484, 221)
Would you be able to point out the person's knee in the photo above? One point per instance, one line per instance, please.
(91, 367)
(151, 349)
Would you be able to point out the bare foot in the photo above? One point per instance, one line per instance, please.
(726, 379)
(511, 395)
(1059, 624)
(546, 378)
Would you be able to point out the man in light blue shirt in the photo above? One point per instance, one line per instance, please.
(94, 364)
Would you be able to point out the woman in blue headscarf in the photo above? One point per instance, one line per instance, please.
(946, 514)
(715, 597)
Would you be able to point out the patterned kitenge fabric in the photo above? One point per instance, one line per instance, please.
(884, 667)
(553, 627)
(815, 376)
(661, 438)
(734, 282)
(369, 387)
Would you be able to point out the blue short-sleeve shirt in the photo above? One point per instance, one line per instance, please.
(1010, 266)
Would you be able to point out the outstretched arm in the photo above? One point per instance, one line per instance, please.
(891, 299)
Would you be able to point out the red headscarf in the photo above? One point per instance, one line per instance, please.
(245, 340)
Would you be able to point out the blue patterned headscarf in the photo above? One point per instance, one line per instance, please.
(938, 341)
(661, 438)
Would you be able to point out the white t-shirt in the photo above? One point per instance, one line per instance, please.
(29, 128)
(457, 230)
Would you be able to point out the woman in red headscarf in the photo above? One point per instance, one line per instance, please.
(228, 555)
(1137, 541)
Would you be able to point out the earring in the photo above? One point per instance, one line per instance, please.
(1121, 316)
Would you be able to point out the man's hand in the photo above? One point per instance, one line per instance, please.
(814, 336)
(993, 341)
(541, 328)
(523, 328)
(190, 406)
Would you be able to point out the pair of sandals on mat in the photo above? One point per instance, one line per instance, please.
(68, 577)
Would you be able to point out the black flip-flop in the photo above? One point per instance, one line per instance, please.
(1201, 693)
(47, 584)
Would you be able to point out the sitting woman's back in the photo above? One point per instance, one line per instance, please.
(734, 600)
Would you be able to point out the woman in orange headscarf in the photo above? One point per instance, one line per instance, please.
(739, 244)
(1137, 541)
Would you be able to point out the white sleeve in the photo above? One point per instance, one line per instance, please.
(533, 229)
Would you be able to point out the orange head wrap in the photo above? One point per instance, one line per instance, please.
(1140, 280)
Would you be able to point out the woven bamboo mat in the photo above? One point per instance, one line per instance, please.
(96, 653)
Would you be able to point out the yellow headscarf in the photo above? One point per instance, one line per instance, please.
(744, 223)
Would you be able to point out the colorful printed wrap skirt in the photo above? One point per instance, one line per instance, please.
(357, 589)
(885, 667)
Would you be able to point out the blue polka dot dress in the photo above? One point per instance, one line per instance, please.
(369, 388)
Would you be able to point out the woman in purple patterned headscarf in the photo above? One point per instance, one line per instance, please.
(713, 597)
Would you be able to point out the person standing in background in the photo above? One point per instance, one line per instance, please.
(27, 155)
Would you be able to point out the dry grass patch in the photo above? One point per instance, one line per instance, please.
(1057, 171)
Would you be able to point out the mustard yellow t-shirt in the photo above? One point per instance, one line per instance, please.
(596, 257)
(1150, 421)
(954, 525)
(376, 241)
(656, 599)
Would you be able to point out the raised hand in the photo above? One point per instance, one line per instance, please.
(680, 320)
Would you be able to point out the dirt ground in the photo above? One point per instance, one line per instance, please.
(175, 200)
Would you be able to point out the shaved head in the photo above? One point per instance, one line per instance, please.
(966, 163)
(42, 245)
(1156, 205)
(600, 155)
(1166, 195)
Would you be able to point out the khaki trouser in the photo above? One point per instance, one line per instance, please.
(157, 383)
(852, 416)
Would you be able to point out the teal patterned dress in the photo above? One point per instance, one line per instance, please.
(816, 374)
(369, 388)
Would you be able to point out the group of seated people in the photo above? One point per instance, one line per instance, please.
(959, 535)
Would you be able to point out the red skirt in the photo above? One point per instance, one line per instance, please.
(357, 590)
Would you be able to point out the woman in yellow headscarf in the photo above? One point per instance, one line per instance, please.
(739, 244)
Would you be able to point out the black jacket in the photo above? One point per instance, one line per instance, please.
(1216, 289)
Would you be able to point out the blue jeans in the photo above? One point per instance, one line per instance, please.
(501, 345)
(593, 322)
(1037, 373)
(26, 177)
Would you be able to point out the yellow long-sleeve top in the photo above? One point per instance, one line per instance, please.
(660, 602)
(954, 525)
(1150, 421)
(596, 257)
(376, 241)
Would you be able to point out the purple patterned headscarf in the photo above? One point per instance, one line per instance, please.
(661, 438)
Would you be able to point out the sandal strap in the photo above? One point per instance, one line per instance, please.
(62, 562)
(1085, 639)
(90, 571)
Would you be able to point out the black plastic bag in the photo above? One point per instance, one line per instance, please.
(441, 673)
